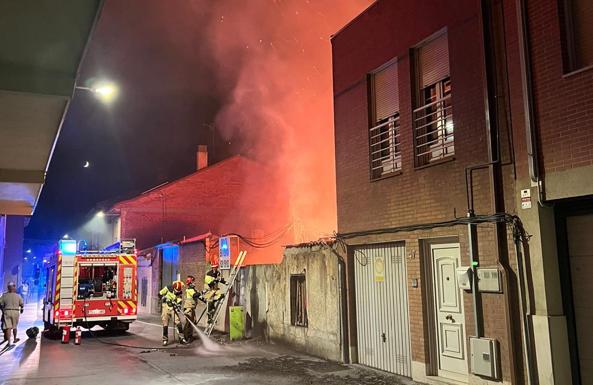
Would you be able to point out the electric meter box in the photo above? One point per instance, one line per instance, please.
(464, 277)
(489, 280)
(484, 357)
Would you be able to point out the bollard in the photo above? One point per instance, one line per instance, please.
(77, 336)
(66, 334)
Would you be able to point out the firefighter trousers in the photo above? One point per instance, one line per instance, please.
(167, 314)
(188, 329)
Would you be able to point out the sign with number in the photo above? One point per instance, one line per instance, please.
(379, 267)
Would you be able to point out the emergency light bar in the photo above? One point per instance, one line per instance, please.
(67, 246)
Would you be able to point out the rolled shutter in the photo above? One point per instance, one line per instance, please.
(386, 92)
(433, 61)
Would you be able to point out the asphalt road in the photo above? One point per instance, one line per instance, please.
(99, 360)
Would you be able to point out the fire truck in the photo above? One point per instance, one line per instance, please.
(90, 288)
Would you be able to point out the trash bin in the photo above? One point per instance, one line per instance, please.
(237, 322)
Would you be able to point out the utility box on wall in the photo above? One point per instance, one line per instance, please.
(228, 250)
(484, 357)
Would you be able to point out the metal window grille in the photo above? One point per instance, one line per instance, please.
(384, 142)
(298, 300)
(385, 147)
(433, 124)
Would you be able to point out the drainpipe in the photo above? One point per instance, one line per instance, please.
(527, 90)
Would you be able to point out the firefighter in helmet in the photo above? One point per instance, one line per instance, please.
(171, 296)
(192, 296)
(213, 294)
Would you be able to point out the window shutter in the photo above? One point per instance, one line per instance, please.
(433, 61)
(386, 92)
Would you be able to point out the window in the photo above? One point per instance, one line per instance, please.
(578, 34)
(384, 132)
(97, 281)
(298, 300)
(433, 118)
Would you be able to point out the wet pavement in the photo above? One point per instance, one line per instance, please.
(136, 357)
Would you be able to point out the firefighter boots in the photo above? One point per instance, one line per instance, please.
(165, 335)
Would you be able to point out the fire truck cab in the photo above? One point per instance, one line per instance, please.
(90, 288)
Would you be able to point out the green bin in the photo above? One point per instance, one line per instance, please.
(237, 322)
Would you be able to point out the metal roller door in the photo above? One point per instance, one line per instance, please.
(382, 307)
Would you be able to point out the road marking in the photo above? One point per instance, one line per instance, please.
(148, 323)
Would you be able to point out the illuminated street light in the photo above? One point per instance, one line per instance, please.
(66, 236)
(100, 214)
(28, 250)
(104, 91)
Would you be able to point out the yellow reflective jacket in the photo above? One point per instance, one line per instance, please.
(191, 295)
(168, 295)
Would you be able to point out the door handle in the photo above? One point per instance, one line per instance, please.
(450, 318)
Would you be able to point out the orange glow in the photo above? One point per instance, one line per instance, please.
(275, 56)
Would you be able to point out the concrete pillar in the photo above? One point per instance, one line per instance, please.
(13, 249)
(549, 320)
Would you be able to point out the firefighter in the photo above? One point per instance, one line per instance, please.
(213, 294)
(192, 296)
(171, 296)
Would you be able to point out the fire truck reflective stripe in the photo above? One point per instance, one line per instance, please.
(132, 304)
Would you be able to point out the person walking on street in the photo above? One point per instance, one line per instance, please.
(189, 307)
(25, 292)
(171, 296)
(12, 306)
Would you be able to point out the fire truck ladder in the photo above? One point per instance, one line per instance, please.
(67, 284)
(232, 278)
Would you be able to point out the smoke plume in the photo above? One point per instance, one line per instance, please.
(273, 60)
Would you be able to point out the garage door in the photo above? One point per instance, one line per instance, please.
(580, 251)
(382, 307)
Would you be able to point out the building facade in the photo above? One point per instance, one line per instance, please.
(464, 165)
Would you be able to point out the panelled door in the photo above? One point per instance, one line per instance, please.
(382, 307)
(449, 315)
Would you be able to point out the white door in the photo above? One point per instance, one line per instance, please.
(449, 314)
(383, 330)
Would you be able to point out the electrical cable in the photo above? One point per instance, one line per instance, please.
(511, 220)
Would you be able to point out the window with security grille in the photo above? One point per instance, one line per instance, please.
(385, 152)
(578, 34)
(433, 116)
(298, 300)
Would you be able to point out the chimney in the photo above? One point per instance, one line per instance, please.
(202, 157)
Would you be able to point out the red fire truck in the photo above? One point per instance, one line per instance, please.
(89, 288)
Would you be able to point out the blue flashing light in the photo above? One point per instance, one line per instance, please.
(67, 246)
(225, 248)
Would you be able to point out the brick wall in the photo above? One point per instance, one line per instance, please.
(563, 103)
(434, 193)
(233, 196)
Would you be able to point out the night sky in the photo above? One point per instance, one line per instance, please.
(150, 133)
(257, 70)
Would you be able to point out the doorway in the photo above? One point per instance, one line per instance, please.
(447, 323)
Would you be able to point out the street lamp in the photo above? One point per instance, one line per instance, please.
(104, 91)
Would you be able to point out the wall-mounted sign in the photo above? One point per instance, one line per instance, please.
(526, 199)
(379, 267)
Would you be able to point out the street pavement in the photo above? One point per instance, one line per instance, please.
(102, 360)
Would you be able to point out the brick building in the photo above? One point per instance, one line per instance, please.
(459, 130)
(237, 195)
